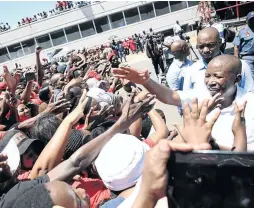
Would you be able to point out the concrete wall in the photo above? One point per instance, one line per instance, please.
(159, 23)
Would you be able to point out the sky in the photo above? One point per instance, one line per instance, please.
(14, 11)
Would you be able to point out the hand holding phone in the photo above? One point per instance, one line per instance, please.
(30, 76)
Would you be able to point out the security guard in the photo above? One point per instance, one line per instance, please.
(244, 42)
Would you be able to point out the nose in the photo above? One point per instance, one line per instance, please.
(206, 49)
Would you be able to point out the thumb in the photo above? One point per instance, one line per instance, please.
(180, 130)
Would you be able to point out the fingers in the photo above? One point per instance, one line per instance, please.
(214, 119)
(182, 147)
(186, 113)
(195, 112)
(172, 135)
(203, 112)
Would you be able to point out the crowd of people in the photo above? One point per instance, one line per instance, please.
(4, 27)
(61, 6)
(83, 131)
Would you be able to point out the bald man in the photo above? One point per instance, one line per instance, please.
(222, 78)
(208, 45)
(175, 75)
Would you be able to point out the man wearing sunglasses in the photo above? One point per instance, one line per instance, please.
(208, 45)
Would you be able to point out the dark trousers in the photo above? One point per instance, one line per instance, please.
(158, 61)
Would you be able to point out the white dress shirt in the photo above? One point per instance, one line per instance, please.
(222, 130)
(175, 75)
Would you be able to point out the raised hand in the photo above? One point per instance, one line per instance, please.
(60, 106)
(132, 111)
(10, 81)
(137, 76)
(196, 130)
(239, 128)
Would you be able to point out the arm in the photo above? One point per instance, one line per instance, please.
(136, 128)
(161, 130)
(26, 95)
(85, 155)
(52, 154)
(163, 93)
(40, 72)
(236, 51)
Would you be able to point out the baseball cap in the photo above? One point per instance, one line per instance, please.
(23, 141)
(250, 15)
(9, 147)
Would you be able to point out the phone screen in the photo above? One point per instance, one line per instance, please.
(30, 76)
(212, 179)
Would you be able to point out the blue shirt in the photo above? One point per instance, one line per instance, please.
(194, 78)
(175, 75)
(245, 41)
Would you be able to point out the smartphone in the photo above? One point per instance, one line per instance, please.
(30, 76)
(212, 179)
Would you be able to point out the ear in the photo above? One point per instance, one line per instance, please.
(238, 78)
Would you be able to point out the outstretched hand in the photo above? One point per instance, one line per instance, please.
(196, 130)
(132, 111)
(239, 128)
(134, 75)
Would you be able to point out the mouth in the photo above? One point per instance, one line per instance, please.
(213, 89)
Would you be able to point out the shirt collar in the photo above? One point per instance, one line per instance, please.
(181, 64)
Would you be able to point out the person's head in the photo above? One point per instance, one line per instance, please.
(151, 30)
(223, 74)
(180, 49)
(55, 79)
(51, 194)
(124, 155)
(144, 32)
(177, 22)
(23, 112)
(208, 43)
(45, 127)
(250, 20)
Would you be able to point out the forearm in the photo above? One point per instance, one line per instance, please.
(52, 154)
(240, 141)
(161, 130)
(29, 122)
(163, 93)
(236, 51)
(136, 128)
(26, 95)
(85, 155)
(143, 200)
(39, 69)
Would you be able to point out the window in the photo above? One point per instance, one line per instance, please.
(44, 41)
(58, 37)
(177, 5)
(28, 46)
(101, 24)
(192, 3)
(4, 56)
(72, 33)
(161, 7)
(146, 11)
(117, 20)
(15, 51)
(87, 29)
(131, 16)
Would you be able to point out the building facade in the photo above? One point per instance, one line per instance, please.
(91, 26)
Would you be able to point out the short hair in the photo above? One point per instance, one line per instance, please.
(37, 196)
(146, 126)
(45, 127)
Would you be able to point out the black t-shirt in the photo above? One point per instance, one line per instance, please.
(8, 199)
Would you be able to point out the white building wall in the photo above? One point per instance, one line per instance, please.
(73, 17)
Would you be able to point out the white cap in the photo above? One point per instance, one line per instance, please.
(120, 162)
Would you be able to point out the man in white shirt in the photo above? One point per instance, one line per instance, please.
(208, 45)
(177, 28)
(175, 75)
(222, 76)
